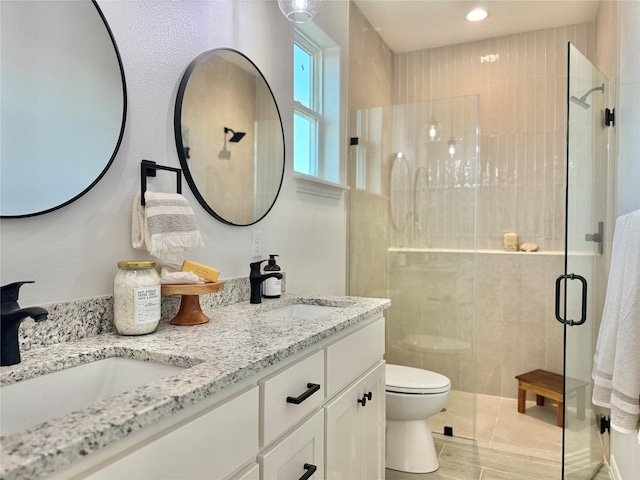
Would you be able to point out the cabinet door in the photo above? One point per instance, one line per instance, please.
(372, 425)
(355, 429)
(342, 434)
(298, 455)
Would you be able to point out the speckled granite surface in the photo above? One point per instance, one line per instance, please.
(78, 319)
(235, 344)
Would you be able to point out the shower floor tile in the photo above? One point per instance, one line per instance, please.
(500, 427)
(462, 459)
(508, 445)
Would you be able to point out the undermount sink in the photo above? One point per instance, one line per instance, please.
(301, 311)
(36, 400)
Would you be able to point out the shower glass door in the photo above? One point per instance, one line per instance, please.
(584, 283)
(413, 175)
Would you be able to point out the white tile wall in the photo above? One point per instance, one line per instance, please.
(522, 123)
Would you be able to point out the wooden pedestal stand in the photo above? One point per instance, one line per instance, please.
(190, 312)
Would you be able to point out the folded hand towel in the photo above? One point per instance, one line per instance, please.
(616, 368)
(165, 226)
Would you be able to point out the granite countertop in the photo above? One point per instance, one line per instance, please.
(235, 344)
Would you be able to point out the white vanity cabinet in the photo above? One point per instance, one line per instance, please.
(350, 426)
(318, 414)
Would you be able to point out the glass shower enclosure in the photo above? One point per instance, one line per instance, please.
(413, 220)
(585, 261)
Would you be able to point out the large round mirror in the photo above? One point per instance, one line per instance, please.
(229, 137)
(63, 103)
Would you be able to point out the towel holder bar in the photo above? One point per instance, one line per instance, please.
(148, 169)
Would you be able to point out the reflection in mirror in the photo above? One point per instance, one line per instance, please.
(229, 137)
(63, 103)
(421, 202)
(401, 201)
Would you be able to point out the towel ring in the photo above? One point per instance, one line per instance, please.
(148, 169)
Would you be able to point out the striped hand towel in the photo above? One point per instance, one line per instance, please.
(165, 226)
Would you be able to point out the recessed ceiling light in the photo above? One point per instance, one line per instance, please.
(477, 14)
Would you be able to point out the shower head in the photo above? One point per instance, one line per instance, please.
(236, 137)
(582, 100)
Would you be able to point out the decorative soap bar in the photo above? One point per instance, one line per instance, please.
(511, 242)
(203, 271)
(528, 247)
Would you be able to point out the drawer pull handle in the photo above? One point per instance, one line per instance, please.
(310, 470)
(312, 388)
(365, 397)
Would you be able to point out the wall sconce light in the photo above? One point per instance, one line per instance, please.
(237, 136)
(299, 11)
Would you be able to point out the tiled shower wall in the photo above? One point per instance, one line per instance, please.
(522, 123)
(521, 187)
(370, 85)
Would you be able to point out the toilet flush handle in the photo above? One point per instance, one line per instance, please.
(365, 397)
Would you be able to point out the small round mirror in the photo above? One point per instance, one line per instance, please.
(229, 137)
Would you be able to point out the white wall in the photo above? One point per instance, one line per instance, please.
(72, 253)
(625, 449)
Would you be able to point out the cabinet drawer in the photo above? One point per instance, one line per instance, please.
(212, 445)
(298, 454)
(353, 355)
(303, 382)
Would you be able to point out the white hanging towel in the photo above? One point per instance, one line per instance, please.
(165, 226)
(616, 364)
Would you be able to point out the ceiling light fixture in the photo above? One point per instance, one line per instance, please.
(453, 146)
(432, 130)
(477, 14)
(299, 11)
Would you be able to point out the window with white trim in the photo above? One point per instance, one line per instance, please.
(316, 111)
(307, 110)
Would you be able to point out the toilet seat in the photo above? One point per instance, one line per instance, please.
(416, 381)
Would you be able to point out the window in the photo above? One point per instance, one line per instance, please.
(317, 109)
(307, 112)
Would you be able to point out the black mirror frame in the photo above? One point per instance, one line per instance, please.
(120, 136)
(177, 127)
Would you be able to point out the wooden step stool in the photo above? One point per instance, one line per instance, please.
(550, 385)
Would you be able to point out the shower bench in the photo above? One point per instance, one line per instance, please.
(550, 385)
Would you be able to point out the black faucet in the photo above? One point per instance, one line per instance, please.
(11, 318)
(256, 278)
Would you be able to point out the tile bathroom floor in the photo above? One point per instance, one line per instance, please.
(509, 445)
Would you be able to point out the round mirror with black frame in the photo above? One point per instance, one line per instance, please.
(64, 103)
(229, 137)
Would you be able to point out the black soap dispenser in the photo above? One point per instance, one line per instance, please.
(272, 287)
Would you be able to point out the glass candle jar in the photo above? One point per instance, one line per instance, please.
(136, 298)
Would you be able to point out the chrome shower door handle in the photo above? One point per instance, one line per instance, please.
(583, 316)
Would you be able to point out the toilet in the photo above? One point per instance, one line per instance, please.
(413, 395)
